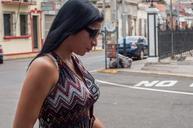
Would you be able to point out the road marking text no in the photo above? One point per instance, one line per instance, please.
(165, 83)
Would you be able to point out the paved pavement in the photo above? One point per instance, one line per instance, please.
(175, 67)
(12, 72)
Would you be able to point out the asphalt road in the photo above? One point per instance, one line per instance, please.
(125, 103)
(128, 100)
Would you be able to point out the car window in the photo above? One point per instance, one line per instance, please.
(132, 39)
(145, 41)
(140, 40)
(120, 41)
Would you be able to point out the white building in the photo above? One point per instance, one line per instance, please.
(142, 19)
(20, 33)
(24, 25)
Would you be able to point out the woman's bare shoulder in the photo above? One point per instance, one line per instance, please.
(43, 69)
(43, 64)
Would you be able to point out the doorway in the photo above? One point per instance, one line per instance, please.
(35, 37)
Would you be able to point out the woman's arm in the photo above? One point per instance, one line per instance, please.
(41, 76)
(98, 123)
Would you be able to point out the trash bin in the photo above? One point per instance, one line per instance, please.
(112, 50)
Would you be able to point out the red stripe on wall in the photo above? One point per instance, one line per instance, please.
(23, 53)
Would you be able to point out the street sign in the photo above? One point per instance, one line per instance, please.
(48, 6)
(110, 27)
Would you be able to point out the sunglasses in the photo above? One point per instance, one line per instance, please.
(92, 32)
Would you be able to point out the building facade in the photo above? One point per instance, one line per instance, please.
(21, 28)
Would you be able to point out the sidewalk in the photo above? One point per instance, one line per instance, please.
(167, 66)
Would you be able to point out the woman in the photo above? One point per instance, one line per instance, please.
(58, 90)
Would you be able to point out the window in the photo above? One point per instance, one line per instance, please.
(8, 24)
(23, 24)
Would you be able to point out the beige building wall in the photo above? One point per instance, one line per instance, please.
(13, 46)
(17, 46)
(142, 19)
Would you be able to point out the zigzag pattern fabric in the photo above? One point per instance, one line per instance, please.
(68, 104)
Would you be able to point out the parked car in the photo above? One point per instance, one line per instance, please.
(1, 54)
(134, 46)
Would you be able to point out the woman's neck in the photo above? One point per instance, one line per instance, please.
(64, 53)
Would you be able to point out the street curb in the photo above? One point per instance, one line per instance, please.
(109, 71)
(96, 49)
(114, 71)
(162, 73)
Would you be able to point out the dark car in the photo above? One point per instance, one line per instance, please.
(134, 46)
(1, 54)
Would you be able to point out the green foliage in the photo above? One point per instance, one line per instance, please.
(93, 1)
(162, 2)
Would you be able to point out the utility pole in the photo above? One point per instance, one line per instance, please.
(123, 27)
(151, 5)
(105, 35)
(104, 7)
(117, 37)
(172, 33)
(117, 20)
(123, 19)
(116, 23)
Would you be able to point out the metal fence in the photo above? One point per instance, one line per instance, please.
(182, 41)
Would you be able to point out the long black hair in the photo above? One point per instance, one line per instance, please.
(73, 16)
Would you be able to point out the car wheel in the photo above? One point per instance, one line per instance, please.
(141, 55)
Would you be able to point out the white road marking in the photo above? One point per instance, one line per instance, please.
(147, 83)
(166, 83)
(141, 88)
(191, 85)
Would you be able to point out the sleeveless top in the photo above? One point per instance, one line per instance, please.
(69, 104)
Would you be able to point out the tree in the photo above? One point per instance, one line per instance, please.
(162, 2)
(93, 1)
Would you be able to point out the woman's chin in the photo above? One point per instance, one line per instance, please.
(81, 53)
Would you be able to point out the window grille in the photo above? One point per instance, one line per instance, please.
(23, 24)
(8, 24)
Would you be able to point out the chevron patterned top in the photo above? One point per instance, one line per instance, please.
(69, 102)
